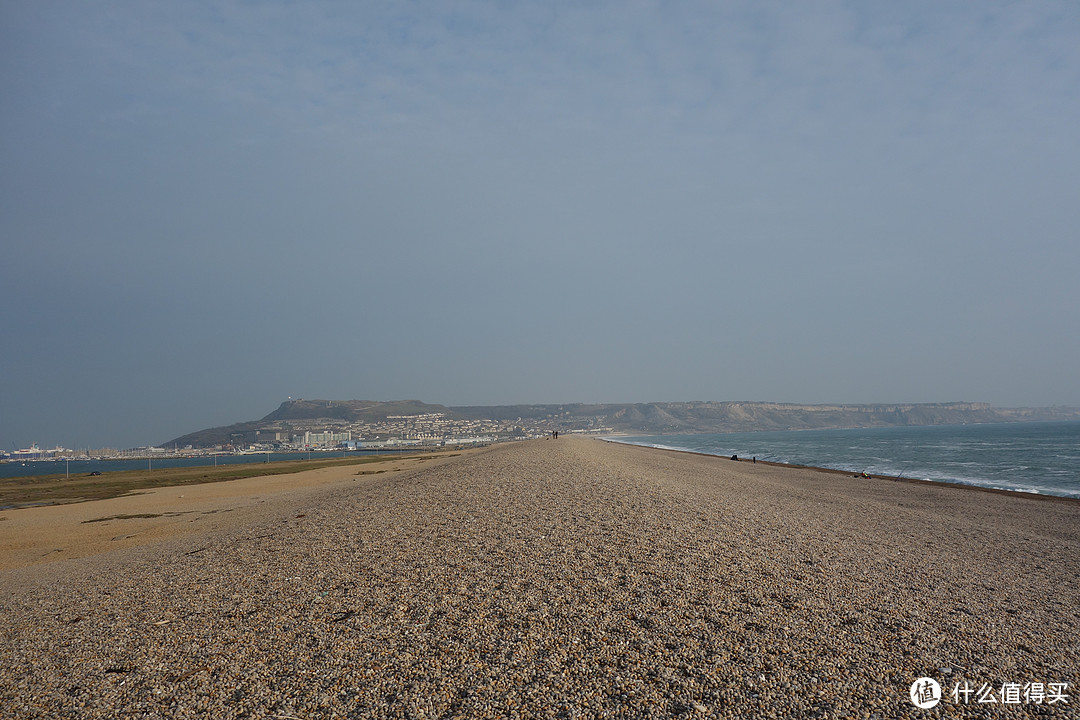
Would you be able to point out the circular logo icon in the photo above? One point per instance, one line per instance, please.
(925, 693)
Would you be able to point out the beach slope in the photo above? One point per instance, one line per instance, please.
(563, 578)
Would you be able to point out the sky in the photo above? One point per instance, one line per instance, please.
(208, 207)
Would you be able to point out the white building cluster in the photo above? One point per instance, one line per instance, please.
(420, 430)
(328, 438)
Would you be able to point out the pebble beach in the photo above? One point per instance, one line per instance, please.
(567, 578)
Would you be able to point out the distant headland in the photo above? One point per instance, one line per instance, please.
(314, 423)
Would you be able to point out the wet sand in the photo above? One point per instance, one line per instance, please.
(568, 578)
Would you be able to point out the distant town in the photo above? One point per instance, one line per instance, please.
(434, 429)
(431, 430)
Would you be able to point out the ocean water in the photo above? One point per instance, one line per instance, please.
(1027, 457)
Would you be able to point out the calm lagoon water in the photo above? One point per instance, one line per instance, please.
(85, 467)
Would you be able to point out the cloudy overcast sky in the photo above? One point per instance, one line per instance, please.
(206, 207)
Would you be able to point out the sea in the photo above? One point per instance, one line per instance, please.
(1037, 457)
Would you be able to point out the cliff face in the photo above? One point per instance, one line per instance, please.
(349, 410)
(693, 417)
(747, 416)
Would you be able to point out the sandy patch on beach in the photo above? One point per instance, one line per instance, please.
(34, 535)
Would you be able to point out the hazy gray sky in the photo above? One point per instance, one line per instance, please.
(206, 207)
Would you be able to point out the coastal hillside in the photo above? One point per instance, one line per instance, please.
(305, 412)
(646, 418)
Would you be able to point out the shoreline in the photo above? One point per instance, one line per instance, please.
(169, 462)
(26, 491)
(835, 471)
(32, 535)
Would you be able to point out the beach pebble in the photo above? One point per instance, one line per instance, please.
(568, 580)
